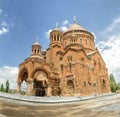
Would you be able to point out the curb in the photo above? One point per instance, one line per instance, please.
(50, 100)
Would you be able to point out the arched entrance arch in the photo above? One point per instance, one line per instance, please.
(40, 83)
(23, 76)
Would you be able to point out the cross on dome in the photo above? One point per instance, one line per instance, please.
(36, 39)
(36, 42)
(74, 19)
(56, 24)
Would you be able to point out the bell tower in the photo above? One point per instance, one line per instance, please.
(56, 35)
(36, 49)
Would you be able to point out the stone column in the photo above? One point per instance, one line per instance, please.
(49, 91)
(29, 84)
(18, 87)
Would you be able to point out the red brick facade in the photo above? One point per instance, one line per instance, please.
(71, 66)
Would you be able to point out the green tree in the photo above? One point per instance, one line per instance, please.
(7, 86)
(112, 78)
(113, 84)
(2, 87)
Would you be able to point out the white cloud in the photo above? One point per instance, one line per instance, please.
(65, 25)
(6, 24)
(9, 73)
(65, 22)
(94, 35)
(48, 33)
(63, 28)
(3, 30)
(110, 47)
(114, 26)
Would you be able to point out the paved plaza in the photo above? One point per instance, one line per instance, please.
(101, 106)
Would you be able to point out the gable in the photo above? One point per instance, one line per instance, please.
(97, 56)
(56, 45)
(75, 50)
(75, 54)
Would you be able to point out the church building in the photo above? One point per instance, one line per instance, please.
(70, 66)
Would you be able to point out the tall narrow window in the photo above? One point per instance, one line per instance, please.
(81, 41)
(82, 59)
(86, 41)
(74, 40)
(38, 51)
(35, 51)
(54, 37)
(58, 37)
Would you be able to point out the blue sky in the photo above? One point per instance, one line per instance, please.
(21, 21)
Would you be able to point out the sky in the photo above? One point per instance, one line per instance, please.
(22, 21)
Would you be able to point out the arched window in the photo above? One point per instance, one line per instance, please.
(103, 81)
(38, 51)
(58, 37)
(74, 40)
(35, 51)
(54, 37)
(81, 41)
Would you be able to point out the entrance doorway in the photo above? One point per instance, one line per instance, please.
(40, 83)
(39, 88)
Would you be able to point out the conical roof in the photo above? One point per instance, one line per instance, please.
(75, 26)
(36, 42)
